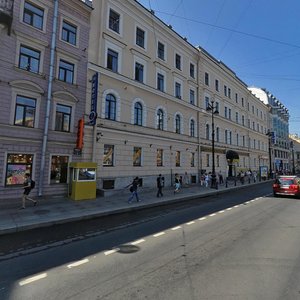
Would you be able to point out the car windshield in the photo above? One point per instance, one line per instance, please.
(286, 181)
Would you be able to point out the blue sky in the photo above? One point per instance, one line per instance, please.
(258, 39)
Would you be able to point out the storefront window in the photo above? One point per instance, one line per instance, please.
(59, 169)
(159, 157)
(137, 156)
(17, 166)
(108, 156)
(177, 158)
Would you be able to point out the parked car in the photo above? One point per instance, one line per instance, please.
(286, 185)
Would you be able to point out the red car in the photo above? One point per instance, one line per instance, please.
(286, 185)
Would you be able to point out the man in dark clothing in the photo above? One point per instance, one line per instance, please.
(27, 189)
(159, 182)
(133, 189)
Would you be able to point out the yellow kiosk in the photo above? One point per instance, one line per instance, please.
(82, 183)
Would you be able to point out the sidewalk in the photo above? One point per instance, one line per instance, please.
(59, 210)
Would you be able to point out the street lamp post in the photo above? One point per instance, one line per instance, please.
(212, 107)
(293, 158)
(269, 134)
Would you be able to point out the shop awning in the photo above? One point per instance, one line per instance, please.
(231, 154)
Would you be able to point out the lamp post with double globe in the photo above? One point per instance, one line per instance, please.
(213, 108)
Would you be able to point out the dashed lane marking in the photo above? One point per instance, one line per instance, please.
(202, 219)
(190, 223)
(212, 215)
(176, 228)
(138, 242)
(32, 279)
(78, 263)
(221, 211)
(111, 251)
(159, 234)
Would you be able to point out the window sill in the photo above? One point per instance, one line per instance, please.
(37, 75)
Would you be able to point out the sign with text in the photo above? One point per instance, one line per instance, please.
(94, 96)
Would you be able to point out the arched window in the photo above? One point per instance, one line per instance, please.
(160, 119)
(177, 124)
(138, 114)
(110, 107)
(207, 131)
(192, 128)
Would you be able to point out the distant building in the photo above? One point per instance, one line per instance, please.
(278, 125)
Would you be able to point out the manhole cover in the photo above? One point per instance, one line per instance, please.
(128, 249)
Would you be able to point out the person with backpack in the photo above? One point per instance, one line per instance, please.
(133, 189)
(28, 185)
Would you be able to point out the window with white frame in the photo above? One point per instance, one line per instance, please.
(138, 114)
(207, 131)
(29, 59)
(192, 128)
(177, 159)
(160, 119)
(25, 111)
(69, 32)
(192, 97)
(178, 61)
(63, 117)
(112, 60)
(66, 71)
(192, 159)
(177, 123)
(139, 72)
(140, 37)
(206, 78)
(160, 82)
(161, 50)
(114, 21)
(192, 70)
(159, 157)
(217, 85)
(110, 107)
(218, 134)
(178, 90)
(33, 15)
(59, 169)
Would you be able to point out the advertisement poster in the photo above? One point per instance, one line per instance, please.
(264, 171)
(15, 174)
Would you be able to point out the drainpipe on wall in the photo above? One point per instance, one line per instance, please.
(49, 95)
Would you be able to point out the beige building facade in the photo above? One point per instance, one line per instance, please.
(152, 93)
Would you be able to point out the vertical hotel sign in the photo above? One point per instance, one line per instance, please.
(94, 94)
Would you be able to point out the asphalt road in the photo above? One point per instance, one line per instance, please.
(243, 245)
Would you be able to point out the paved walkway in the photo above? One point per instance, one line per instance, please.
(58, 210)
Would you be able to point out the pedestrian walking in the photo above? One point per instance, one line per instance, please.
(28, 185)
(206, 179)
(254, 173)
(133, 189)
(159, 183)
(177, 183)
(186, 179)
(220, 175)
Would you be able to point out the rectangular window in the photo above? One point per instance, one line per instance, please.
(192, 97)
(229, 93)
(236, 98)
(29, 59)
(243, 141)
(218, 160)
(178, 61)
(139, 72)
(137, 156)
(33, 15)
(192, 70)
(243, 120)
(25, 111)
(140, 37)
(69, 33)
(217, 85)
(192, 159)
(225, 90)
(207, 160)
(237, 117)
(112, 60)
(161, 50)
(229, 113)
(59, 169)
(243, 102)
(159, 157)
(66, 71)
(108, 156)
(178, 90)
(177, 159)
(160, 82)
(16, 168)
(206, 79)
(226, 136)
(63, 118)
(225, 112)
(114, 21)
(206, 102)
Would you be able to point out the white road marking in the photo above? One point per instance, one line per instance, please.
(190, 223)
(175, 228)
(32, 279)
(78, 263)
(201, 219)
(236, 206)
(159, 234)
(229, 208)
(111, 251)
(247, 202)
(212, 215)
(138, 242)
(221, 211)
